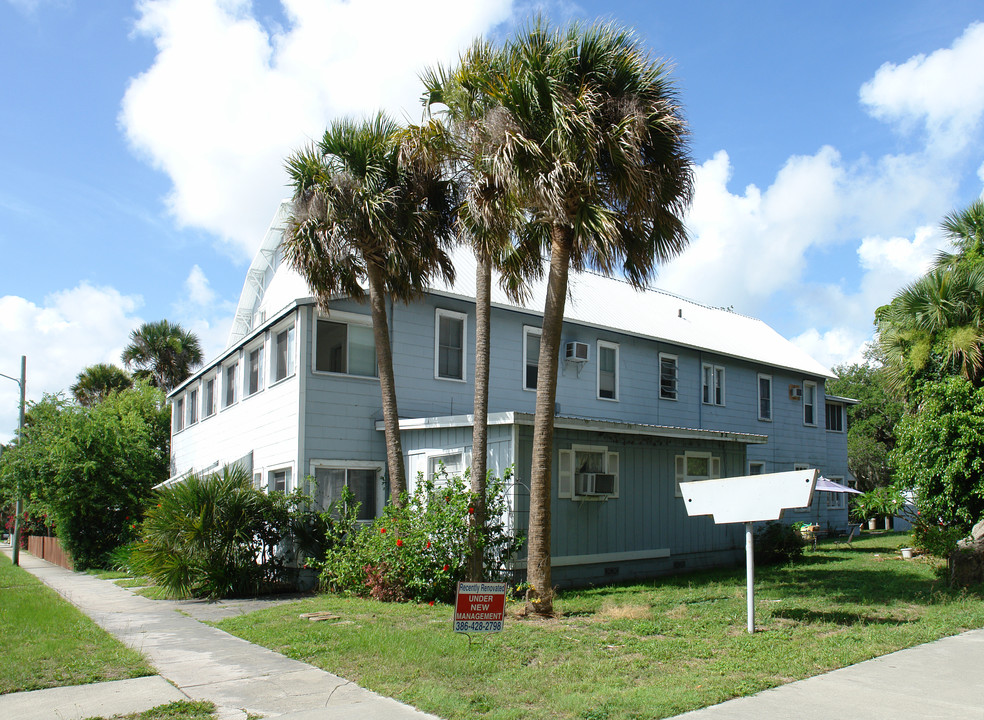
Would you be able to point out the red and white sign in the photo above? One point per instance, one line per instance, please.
(479, 607)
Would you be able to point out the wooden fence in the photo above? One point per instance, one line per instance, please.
(48, 548)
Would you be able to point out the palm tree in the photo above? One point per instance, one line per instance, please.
(164, 353)
(965, 231)
(363, 212)
(95, 382)
(595, 140)
(488, 217)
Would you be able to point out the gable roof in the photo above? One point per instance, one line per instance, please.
(593, 300)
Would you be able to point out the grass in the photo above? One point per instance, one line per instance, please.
(181, 710)
(48, 643)
(652, 649)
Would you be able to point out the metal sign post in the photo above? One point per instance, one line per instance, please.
(749, 499)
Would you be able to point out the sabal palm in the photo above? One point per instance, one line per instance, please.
(164, 353)
(365, 213)
(97, 381)
(595, 140)
(965, 231)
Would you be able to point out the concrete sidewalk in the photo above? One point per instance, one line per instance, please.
(942, 679)
(199, 662)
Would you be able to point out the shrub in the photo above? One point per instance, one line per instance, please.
(777, 543)
(936, 539)
(417, 552)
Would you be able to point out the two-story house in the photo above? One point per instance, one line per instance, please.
(653, 390)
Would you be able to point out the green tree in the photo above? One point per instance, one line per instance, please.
(363, 211)
(594, 139)
(163, 353)
(939, 453)
(965, 231)
(95, 382)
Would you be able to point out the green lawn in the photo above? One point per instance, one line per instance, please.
(48, 643)
(652, 649)
(181, 710)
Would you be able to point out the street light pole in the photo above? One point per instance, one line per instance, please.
(15, 545)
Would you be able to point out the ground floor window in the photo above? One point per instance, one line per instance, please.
(836, 500)
(695, 466)
(362, 481)
(588, 472)
(279, 480)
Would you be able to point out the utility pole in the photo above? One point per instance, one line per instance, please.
(15, 545)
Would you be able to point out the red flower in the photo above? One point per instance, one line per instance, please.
(399, 543)
(382, 530)
(471, 511)
(431, 602)
(428, 544)
(446, 568)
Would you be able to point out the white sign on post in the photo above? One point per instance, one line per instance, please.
(749, 499)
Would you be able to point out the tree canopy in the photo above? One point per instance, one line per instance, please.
(163, 353)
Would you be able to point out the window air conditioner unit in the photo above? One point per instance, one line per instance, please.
(594, 483)
(577, 352)
(795, 392)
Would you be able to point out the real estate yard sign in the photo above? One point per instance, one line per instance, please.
(479, 607)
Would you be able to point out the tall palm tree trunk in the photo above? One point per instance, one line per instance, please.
(538, 571)
(480, 426)
(387, 384)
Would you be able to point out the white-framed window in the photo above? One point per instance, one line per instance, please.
(587, 472)
(450, 337)
(607, 370)
(282, 362)
(835, 416)
(764, 397)
(446, 464)
(694, 465)
(253, 374)
(230, 384)
(345, 345)
(531, 356)
(712, 381)
(361, 478)
(208, 396)
(668, 376)
(193, 406)
(278, 480)
(178, 413)
(809, 403)
(836, 500)
(756, 468)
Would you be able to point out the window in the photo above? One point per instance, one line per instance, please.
(809, 403)
(254, 372)
(607, 370)
(713, 384)
(279, 480)
(836, 500)
(177, 413)
(695, 466)
(835, 417)
(587, 472)
(531, 355)
(453, 464)
(756, 468)
(449, 345)
(347, 348)
(229, 386)
(668, 376)
(208, 397)
(765, 397)
(193, 407)
(361, 481)
(283, 354)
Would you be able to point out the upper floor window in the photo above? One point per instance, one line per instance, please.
(607, 370)
(177, 413)
(254, 373)
(283, 354)
(835, 417)
(345, 348)
(668, 376)
(208, 396)
(809, 403)
(229, 385)
(449, 345)
(531, 356)
(765, 397)
(713, 384)
(193, 406)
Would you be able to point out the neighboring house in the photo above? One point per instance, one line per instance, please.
(653, 390)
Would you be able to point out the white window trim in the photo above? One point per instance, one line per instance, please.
(291, 329)
(216, 378)
(342, 318)
(247, 368)
(194, 410)
(839, 497)
(716, 372)
(758, 395)
(178, 414)
(566, 482)
(354, 465)
(815, 404)
(676, 382)
(527, 331)
(442, 313)
(680, 474)
(610, 346)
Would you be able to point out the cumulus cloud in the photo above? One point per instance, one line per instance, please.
(227, 97)
(69, 331)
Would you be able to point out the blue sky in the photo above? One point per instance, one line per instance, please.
(142, 148)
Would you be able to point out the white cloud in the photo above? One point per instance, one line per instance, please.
(228, 98)
(942, 91)
(199, 290)
(201, 312)
(71, 330)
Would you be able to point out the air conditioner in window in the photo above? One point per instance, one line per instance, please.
(577, 352)
(593, 484)
(795, 392)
